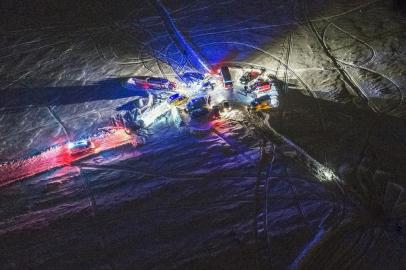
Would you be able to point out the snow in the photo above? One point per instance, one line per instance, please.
(316, 184)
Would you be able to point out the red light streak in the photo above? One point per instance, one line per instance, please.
(60, 156)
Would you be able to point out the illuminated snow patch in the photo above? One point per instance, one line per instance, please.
(176, 116)
(326, 174)
(151, 115)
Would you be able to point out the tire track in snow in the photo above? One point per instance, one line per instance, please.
(372, 49)
(59, 121)
(361, 67)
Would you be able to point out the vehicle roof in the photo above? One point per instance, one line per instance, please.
(260, 99)
(140, 77)
(83, 141)
(262, 82)
(198, 98)
(156, 79)
(78, 143)
(197, 102)
(175, 95)
(252, 72)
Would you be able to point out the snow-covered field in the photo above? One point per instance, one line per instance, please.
(207, 200)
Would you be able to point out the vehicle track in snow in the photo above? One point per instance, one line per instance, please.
(361, 248)
(401, 101)
(297, 22)
(22, 44)
(76, 116)
(189, 11)
(333, 189)
(339, 210)
(361, 66)
(190, 55)
(346, 12)
(33, 50)
(128, 60)
(197, 33)
(265, 221)
(392, 109)
(115, 25)
(188, 6)
(372, 50)
(16, 81)
(286, 73)
(182, 10)
(231, 142)
(264, 196)
(164, 56)
(113, 56)
(59, 121)
(261, 195)
(95, 218)
(54, 116)
(294, 192)
(357, 90)
(178, 177)
(285, 64)
(176, 66)
(230, 28)
(101, 236)
(147, 47)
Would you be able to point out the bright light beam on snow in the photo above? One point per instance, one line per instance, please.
(326, 174)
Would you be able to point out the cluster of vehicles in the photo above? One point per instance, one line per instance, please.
(255, 84)
(198, 106)
(262, 90)
(250, 76)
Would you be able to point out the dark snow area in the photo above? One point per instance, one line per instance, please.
(316, 184)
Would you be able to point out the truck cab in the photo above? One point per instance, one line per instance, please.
(227, 80)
